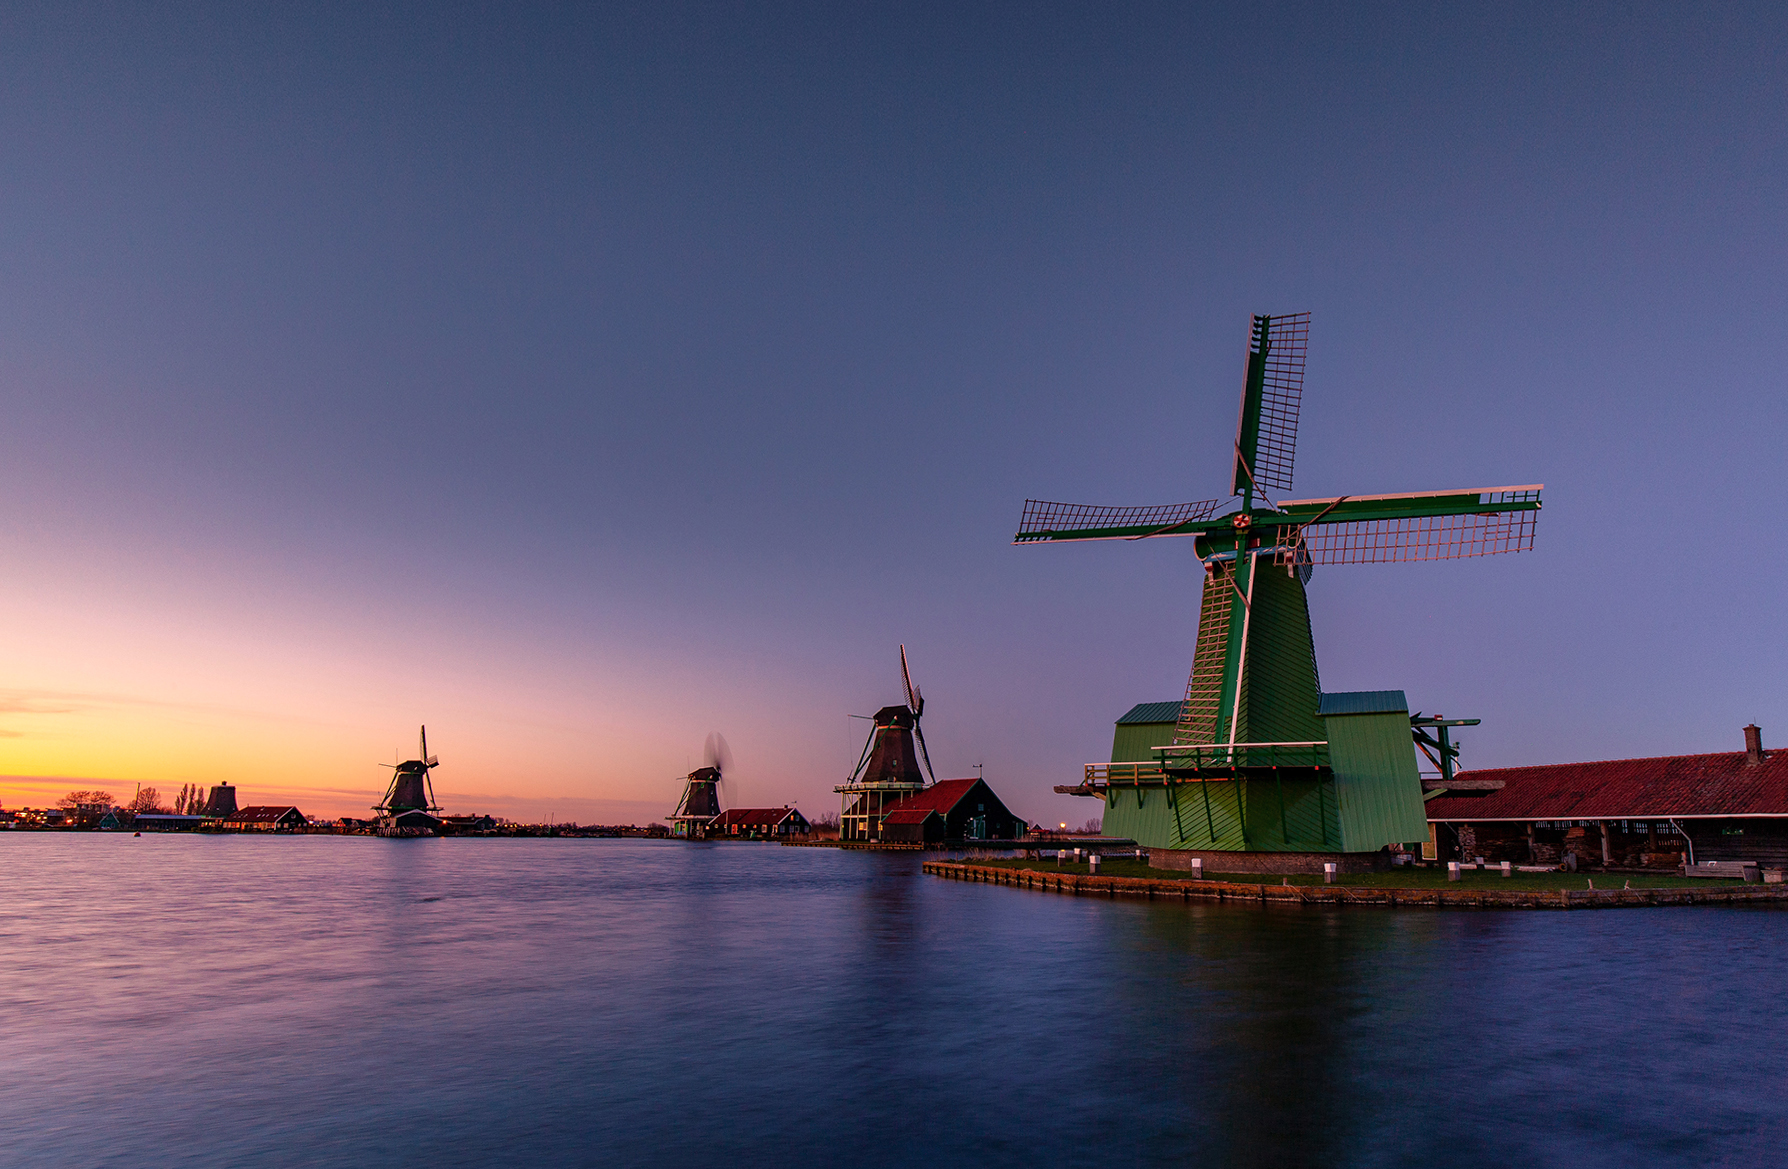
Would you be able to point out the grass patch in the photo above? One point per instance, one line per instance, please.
(1399, 878)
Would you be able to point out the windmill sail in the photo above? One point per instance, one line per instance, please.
(1055, 522)
(1440, 525)
(1266, 438)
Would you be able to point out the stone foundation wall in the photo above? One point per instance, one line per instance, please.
(1268, 862)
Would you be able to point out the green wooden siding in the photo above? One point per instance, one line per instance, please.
(1131, 741)
(1374, 797)
(1279, 690)
(1279, 681)
(1377, 785)
(1205, 815)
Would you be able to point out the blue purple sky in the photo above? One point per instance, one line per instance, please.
(580, 380)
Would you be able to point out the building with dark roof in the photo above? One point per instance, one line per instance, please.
(1730, 806)
(950, 810)
(758, 823)
(265, 818)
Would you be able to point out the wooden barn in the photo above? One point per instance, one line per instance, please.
(1655, 813)
(758, 824)
(264, 818)
(949, 810)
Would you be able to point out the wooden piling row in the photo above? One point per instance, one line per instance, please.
(1153, 888)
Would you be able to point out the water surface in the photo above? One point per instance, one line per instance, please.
(184, 1000)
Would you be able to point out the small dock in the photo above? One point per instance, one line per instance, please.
(1155, 889)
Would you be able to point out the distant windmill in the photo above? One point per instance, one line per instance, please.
(700, 802)
(889, 768)
(1253, 681)
(409, 804)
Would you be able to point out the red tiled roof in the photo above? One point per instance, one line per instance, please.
(1726, 784)
(756, 817)
(940, 797)
(909, 816)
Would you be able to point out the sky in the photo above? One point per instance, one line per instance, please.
(579, 380)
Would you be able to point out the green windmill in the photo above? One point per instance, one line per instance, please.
(1257, 758)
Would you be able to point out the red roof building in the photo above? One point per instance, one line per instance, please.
(1726, 806)
(758, 823)
(950, 809)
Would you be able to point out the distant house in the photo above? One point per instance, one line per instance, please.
(758, 823)
(461, 825)
(265, 818)
(951, 809)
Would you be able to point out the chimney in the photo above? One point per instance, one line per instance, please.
(1753, 744)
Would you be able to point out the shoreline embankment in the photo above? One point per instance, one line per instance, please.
(1169, 889)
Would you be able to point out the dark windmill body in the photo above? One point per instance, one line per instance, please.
(699, 805)
(409, 807)
(889, 769)
(1258, 759)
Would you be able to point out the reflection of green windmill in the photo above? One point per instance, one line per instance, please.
(1253, 712)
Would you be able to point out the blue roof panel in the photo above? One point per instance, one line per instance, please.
(1363, 702)
(1152, 712)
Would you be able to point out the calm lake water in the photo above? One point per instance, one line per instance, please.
(179, 1000)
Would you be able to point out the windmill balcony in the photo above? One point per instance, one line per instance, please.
(1195, 763)
(1196, 758)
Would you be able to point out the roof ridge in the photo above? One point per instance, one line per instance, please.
(1768, 756)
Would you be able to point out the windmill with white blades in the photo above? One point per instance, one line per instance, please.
(1259, 759)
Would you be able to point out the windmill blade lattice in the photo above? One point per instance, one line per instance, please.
(1449, 537)
(1084, 521)
(923, 753)
(1286, 342)
(1440, 525)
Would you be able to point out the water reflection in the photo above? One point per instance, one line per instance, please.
(357, 1001)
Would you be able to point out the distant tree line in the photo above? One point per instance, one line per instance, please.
(74, 801)
(88, 806)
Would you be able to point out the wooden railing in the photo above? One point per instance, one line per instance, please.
(1125, 773)
(1209, 756)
